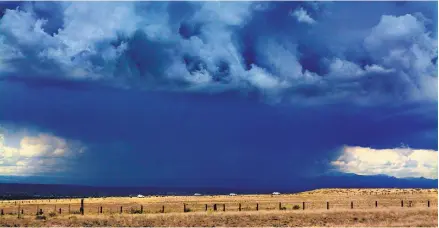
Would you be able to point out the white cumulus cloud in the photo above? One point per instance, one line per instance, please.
(44, 153)
(346, 69)
(398, 162)
(302, 16)
(403, 43)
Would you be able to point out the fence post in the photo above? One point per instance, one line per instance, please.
(402, 203)
(2, 212)
(69, 208)
(224, 207)
(121, 210)
(280, 206)
(303, 205)
(18, 211)
(184, 207)
(239, 207)
(352, 205)
(101, 210)
(428, 203)
(327, 205)
(82, 207)
(214, 207)
(141, 209)
(257, 206)
(205, 207)
(376, 203)
(59, 210)
(163, 209)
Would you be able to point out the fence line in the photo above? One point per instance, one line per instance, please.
(20, 209)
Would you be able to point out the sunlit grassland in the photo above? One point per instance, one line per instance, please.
(347, 207)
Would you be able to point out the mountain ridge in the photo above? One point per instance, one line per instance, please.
(11, 189)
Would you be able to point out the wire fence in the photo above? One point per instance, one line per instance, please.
(34, 207)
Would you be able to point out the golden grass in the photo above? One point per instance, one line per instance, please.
(388, 213)
(366, 218)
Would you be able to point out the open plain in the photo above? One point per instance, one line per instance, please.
(323, 207)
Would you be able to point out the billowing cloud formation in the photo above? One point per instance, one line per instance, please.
(398, 162)
(41, 154)
(220, 46)
(357, 74)
(402, 43)
(302, 16)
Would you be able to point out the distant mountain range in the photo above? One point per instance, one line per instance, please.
(11, 190)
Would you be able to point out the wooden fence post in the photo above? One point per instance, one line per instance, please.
(100, 210)
(69, 208)
(239, 207)
(352, 205)
(163, 209)
(59, 210)
(428, 203)
(82, 207)
(214, 207)
(376, 203)
(402, 203)
(224, 207)
(184, 207)
(303, 205)
(205, 207)
(280, 206)
(141, 209)
(327, 205)
(2, 212)
(121, 210)
(257, 206)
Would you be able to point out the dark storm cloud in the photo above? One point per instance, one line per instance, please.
(173, 90)
(135, 134)
(270, 47)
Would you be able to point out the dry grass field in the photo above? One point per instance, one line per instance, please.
(347, 207)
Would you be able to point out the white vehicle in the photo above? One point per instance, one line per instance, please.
(232, 194)
(276, 193)
(197, 194)
(140, 196)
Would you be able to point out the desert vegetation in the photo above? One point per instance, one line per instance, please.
(323, 207)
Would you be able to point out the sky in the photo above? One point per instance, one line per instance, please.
(215, 93)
